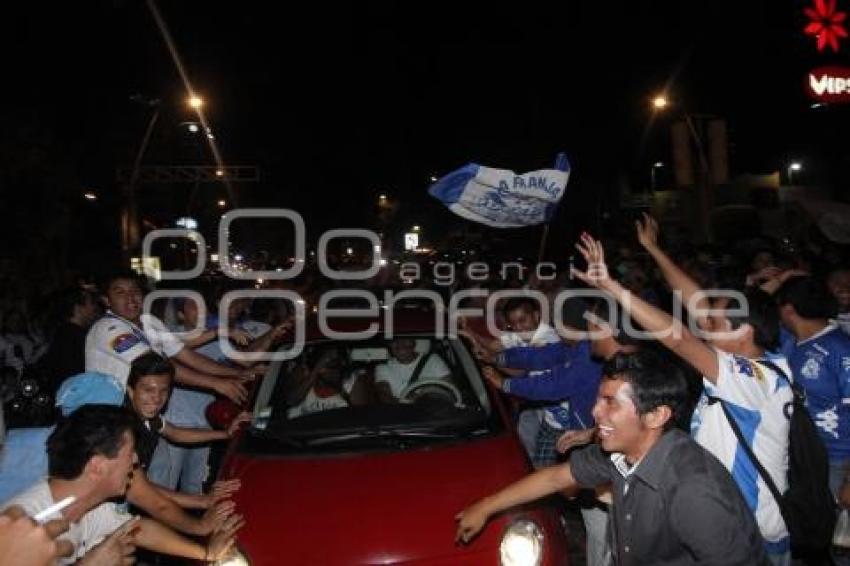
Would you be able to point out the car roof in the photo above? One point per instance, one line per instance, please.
(403, 321)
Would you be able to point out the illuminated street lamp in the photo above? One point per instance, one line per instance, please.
(794, 166)
(195, 102)
(222, 203)
(655, 166)
(219, 173)
(660, 102)
(90, 195)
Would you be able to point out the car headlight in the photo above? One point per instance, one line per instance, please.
(522, 544)
(236, 558)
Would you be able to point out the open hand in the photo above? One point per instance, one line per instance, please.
(216, 515)
(221, 542)
(594, 254)
(647, 232)
(224, 489)
(241, 419)
(573, 438)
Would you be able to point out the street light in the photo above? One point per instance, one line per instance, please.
(794, 166)
(659, 103)
(130, 231)
(656, 165)
(195, 102)
(222, 203)
(90, 195)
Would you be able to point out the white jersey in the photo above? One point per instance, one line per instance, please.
(320, 399)
(112, 344)
(397, 375)
(91, 529)
(757, 397)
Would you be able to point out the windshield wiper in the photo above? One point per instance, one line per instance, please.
(395, 434)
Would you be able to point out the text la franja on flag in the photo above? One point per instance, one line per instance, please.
(501, 198)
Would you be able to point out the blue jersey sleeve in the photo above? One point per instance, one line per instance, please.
(536, 357)
(559, 382)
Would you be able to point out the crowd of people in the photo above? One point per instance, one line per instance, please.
(670, 444)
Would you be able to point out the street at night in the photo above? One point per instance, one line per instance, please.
(438, 284)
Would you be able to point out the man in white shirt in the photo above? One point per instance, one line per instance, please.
(394, 376)
(124, 333)
(91, 457)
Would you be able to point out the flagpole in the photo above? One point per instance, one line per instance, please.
(561, 163)
(542, 248)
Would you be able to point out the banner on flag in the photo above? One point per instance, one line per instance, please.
(501, 198)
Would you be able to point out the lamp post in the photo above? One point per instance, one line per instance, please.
(792, 167)
(652, 174)
(703, 182)
(130, 233)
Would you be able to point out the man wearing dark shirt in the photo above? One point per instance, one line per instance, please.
(77, 309)
(674, 503)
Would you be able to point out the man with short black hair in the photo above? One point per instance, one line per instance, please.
(124, 333)
(742, 375)
(674, 503)
(819, 355)
(90, 457)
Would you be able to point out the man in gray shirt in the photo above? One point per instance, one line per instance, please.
(674, 503)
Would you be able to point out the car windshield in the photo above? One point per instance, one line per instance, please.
(349, 393)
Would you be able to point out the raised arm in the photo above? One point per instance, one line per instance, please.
(678, 280)
(667, 330)
(539, 484)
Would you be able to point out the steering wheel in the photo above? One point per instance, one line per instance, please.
(443, 387)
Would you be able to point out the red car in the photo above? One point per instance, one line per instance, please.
(362, 452)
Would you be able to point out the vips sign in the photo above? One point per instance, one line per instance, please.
(829, 85)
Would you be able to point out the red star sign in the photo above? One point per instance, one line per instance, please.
(826, 24)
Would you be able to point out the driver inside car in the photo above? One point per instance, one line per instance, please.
(328, 385)
(405, 367)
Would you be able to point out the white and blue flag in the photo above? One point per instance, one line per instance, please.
(501, 198)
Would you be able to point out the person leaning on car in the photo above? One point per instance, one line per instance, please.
(674, 503)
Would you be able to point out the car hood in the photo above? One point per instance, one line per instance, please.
(374, 508)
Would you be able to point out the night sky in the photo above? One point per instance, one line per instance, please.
(339, 104)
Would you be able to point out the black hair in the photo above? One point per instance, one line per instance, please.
(67, 299)
(89, 431)
(615, 317)
(128, 274)
(149, 363)
(515, 303)
(809, 297)
(654, 383)
(762, 314)
(572, 313)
